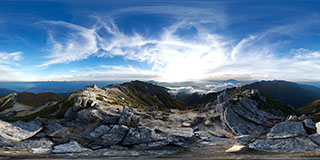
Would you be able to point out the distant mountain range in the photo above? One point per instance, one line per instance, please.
(294, 94)
(191, 93)
(5, 92)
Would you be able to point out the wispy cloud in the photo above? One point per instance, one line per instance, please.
(207, 55)
(8, 63)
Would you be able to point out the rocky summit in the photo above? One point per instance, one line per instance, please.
(138, 118)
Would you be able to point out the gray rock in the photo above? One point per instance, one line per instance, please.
(318, 127)
(38, 146)
(216, 134)
(55, 129)
(71, 147)
(244, 139)
(292, 118)
(140, 135)
(18, 131)
(315, 138)
(118, 147)
(287, 129)
(101, 130)
(178, 136)
(237, 148)
(151, 145)
(223, 97)
(289, 145)
(115, 135)
(186, 124)
(308, 123)
(240, 126)
(128, 117)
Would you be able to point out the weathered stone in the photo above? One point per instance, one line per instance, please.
(71, 147)
(55, 130)
(139, 135)
(308, 123)
(101, 130)
(186, 124)
(38, 146)
(288, 145)
(179, 136)
(237, 148)
(287, 129)
(151, 145)
(128, 117)
(292, 118)
(18, 131)
(238, 125)
(118, 147)
(115, 135)
(244, 139)
(216, 134)
(315, 138)
(318, 127)
(223, 97)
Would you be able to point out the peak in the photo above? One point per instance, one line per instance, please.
(94, 86)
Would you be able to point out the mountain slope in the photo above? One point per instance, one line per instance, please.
(311, 108)
(135, 94)
(293, 94)
(4, 92)
(26, 103)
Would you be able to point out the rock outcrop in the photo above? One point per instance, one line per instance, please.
(19, 131)
(287, 129)
(132, 118)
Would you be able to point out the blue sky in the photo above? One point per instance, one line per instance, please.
(170, 41)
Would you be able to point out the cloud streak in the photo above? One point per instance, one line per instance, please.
(207, 55)
(8, 63)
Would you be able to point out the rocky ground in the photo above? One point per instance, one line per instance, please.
(107, 122)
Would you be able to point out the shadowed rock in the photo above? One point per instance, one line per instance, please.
(115, 135)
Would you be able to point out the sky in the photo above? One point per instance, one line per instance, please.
(161, 40)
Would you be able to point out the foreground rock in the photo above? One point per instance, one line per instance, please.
(289, 145)
(71, 147)
(237, 149)
(287, 129)
(37, 146)
(19, 131)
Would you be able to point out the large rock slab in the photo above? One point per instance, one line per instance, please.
(38, 146)
(19, 131)
(287, 129)
(55, 129)
(101, 130)
(178, 136)
(140, 135)
(239, 125)
(115, 135)
(71, 147)
(308, 123)
(315, 138)
(289, 145)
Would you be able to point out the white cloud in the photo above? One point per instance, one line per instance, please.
(8, 63)
(79, 43)
(208, 55)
